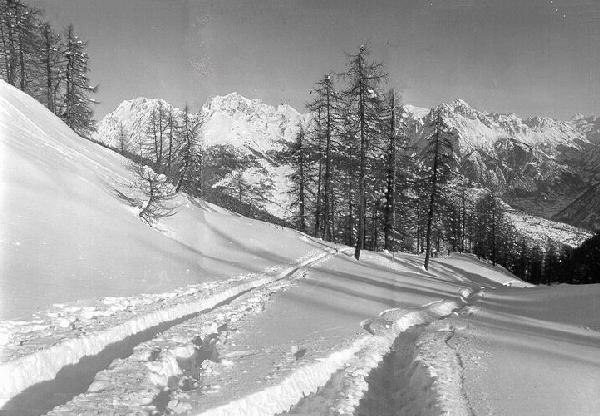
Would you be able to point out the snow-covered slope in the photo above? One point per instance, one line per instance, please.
(528, 352)
(65, 236)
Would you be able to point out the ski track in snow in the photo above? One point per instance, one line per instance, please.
(35, 351)
(351, 367)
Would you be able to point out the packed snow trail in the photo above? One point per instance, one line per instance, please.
(394, 375)
(136, 383)
(313, 330)
(25, 371)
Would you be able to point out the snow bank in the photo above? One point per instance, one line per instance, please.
(443, 367)
(369, 357)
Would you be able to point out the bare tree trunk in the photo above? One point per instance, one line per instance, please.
(301, 196)
(360, 236)
(160, 136)
(350, 230)
(434, 180)
(327, 179)
(155, 137)
(391, 180)
(170, 154)
(318, 213)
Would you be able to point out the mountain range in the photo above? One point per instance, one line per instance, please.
(542, 166)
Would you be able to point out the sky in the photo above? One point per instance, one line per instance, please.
(530, 57)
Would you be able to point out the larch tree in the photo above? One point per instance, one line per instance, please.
(19, 33)
(78, 112)
(322, 105)
(172, 133)
(364, 78)
(189, 154)
(157, 193)
(391, 176)
(439, 153)
(296, 155)
(122, 138)
(50, 56)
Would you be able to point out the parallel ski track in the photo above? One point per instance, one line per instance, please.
(23, 374)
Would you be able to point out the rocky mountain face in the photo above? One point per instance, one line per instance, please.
(540, 165)
(248, 129)
(132, 119)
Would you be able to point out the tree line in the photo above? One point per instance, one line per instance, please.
(50, 66)
(360, 177)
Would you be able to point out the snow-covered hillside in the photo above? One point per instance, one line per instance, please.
(216, 314)
(66, 236)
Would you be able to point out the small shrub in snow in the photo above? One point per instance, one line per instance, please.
(157, 193)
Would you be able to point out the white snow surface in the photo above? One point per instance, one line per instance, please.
(530, 352)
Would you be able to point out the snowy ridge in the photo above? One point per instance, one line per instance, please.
(134, 117)
(538, 164)
(18, 374)
(356, 361)
(242, 122)
(481, 130)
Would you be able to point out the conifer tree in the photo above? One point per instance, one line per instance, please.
(8, 35)
(77, 104)
(296, 156)
(50, 56)
(323, 103)
(122, 138)
(190, 153)
(157, 192)
(172, 132)
(391, 162)
(551, 264)
(439, 153)
(364, 78)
